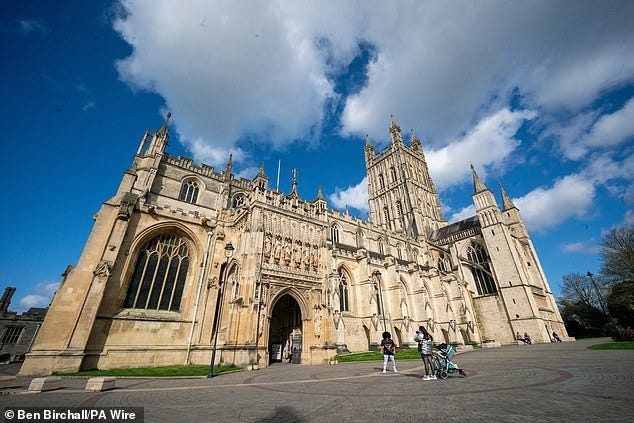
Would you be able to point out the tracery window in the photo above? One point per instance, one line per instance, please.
(189, 191)
(481, 269)
(159, 274)
(237, 201)
(393, 173)
(343, 292)
(381, 181)
(11, 334)
(443, 263)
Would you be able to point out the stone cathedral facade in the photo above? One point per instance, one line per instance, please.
(183, 255)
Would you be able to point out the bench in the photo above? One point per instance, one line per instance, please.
(7, 381)
(41, 384)
(99, 384)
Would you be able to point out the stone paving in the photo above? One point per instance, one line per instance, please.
(531, 383)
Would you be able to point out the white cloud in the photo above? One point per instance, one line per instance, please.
(590, 132)
(465, 213)
(355, 196)
(264, 70)
(543, 208)
(41, 297)
(490, 142)
(583, 247)
(612, 129)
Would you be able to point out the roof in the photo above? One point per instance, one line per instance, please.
(455, 228)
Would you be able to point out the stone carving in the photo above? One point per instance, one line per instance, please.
(317, 321)
(103, 270)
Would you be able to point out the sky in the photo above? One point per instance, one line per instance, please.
(538, 96)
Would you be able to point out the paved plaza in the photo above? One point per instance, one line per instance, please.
(531, 383)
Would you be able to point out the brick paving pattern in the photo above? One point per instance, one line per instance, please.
(531, 383)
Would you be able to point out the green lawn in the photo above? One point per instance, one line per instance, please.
(624, 345)
(164, 371)
(409, 354)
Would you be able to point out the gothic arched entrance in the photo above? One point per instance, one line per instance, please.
(285, 331)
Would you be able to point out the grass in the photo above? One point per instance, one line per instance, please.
(165, 371)
(623, 345)
(408, 354)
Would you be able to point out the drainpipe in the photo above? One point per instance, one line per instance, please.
(200, 286)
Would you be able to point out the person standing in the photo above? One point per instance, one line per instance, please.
(425, 344)
(388, 351)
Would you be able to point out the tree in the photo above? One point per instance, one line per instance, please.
(581, 306)
(621, 303)
(617, 251)
(578, 288)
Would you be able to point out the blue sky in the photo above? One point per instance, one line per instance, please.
(537, 95)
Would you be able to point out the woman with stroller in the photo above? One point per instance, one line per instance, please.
(425, 344)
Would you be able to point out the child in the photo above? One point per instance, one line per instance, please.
(425, 343)
(388, 351)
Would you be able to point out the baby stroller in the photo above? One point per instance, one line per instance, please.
(443, 364)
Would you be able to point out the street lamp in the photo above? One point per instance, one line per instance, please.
(377, 284)
(228, 254)
(599, 295)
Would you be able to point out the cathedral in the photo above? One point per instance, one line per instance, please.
(186, 262)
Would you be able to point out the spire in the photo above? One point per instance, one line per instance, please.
(261, 171)
(368, 143)
(478, 185)
(144, 141)
(507, 203)
(395, 132)
(294, 192)
(164, 129)
(415, 143)
(320, 194)
(229, 167)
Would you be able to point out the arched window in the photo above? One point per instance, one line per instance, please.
(343, 292)
(159, 274)
(443, 263)
(381, 181)
(334, 234)
(189, 191)
(386, 214)
(393, 174)
(237, 201)
(481, 270)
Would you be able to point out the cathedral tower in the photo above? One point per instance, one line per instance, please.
(520, 287)
(401, 193)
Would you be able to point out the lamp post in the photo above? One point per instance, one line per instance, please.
(377, 284)
(228, 254)
(599, 295)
